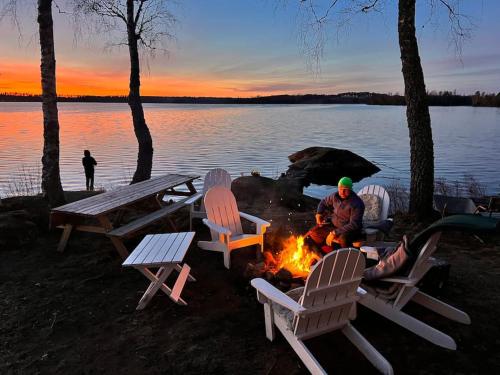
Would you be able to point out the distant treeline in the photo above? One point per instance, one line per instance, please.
(441, 98)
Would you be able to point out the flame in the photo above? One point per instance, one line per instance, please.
(295, 257)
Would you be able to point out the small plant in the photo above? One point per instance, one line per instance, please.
(448, 188)
(473, 187)
(400, 197)
(26, 181)
(469, 187)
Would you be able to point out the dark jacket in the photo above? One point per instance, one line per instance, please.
(346, 214)
(88, 164)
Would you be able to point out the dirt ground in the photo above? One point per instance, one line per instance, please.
(74, 312)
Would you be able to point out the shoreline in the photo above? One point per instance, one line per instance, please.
(446, 99)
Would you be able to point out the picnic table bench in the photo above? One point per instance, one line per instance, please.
(105, 211)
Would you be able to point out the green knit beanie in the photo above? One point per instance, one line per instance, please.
(346, 182)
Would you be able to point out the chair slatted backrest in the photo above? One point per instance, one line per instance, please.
(215, 177)
(380, 192)
(404, 292)
(222, 210)
(330, 293)
(422, 263)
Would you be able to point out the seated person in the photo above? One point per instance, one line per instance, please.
(346, 213)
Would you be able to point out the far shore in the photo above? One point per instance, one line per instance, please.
(442, 98)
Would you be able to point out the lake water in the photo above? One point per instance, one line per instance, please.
(192, 139)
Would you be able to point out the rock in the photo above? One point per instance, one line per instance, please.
(297, 283)
(326, 165)
(255, 270)
(269, 276)
(16, 228)
(284, 275)
(283, 286)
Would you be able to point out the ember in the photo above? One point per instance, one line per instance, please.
(294, 257)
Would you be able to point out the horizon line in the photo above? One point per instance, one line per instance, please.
(430, 93)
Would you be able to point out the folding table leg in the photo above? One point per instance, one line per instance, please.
(179, 284)
(156, 283)
(179, 268)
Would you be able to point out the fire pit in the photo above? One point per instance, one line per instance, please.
(286, 266)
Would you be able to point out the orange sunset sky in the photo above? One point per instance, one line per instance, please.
(248, 48)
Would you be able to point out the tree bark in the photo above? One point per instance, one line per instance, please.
(145, 154)
(417, 114)
(51, 180)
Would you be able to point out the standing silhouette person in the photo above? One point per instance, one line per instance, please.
(88, 164)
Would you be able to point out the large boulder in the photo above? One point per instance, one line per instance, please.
(326, 165)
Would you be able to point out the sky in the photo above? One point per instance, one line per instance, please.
(247, 48)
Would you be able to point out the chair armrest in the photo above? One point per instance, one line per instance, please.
(217, 228)
(361, 292)
(261, 224)
(192, 199)
(399, 280)
(276, 295)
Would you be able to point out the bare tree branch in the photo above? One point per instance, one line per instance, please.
(10, 10)
(152, 21)
(460, 25)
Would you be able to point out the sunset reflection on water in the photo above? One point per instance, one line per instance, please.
(194, 138)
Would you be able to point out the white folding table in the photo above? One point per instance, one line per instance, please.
(166, 252)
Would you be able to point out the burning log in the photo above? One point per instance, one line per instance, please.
(296, 257)
(288, 268)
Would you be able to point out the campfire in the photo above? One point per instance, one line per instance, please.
(292, 263)
(294, 257)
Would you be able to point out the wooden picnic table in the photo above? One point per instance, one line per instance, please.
(104, 212)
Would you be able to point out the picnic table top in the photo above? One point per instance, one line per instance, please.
(123, 196)
(158, 249)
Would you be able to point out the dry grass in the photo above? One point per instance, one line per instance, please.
(27, 181)
(469, 187)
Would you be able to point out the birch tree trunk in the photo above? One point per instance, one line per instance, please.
(417, 114)
(141, 130)
(51, 180)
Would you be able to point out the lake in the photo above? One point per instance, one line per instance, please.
(193, 138)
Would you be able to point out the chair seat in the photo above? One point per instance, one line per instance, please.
(285, 313)
(243, 240)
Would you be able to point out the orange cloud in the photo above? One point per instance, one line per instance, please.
(25, 78)
(19, 77)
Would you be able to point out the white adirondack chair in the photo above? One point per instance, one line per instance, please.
(326, 303)
(214, 177)
(389, 302)
(384, 202)
(223, 219)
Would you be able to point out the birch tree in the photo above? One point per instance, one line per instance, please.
(51, 180)
(145, 25)
(417, 109)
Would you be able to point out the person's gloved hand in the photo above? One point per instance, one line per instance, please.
(330, 239)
